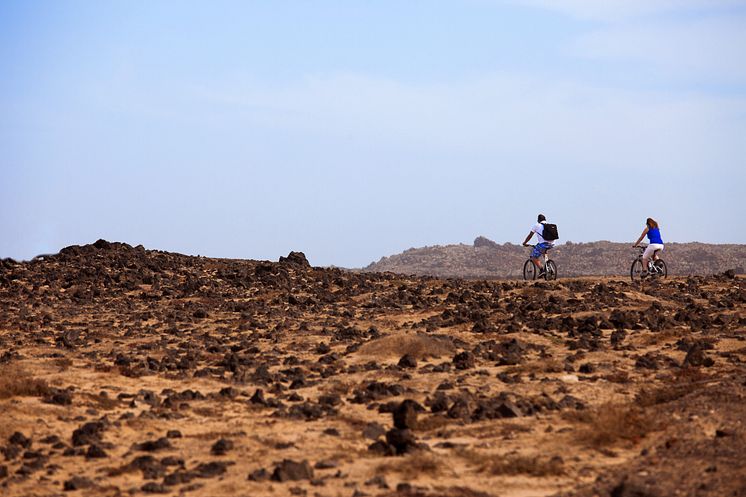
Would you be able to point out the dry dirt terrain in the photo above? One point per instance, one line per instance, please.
(125, 371)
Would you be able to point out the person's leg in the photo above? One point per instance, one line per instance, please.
(655, 248)
(536, 255)
(649, 250)
(541, 258)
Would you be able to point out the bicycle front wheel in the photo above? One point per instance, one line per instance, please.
(636, 270)
(551, 271)
(529, 270)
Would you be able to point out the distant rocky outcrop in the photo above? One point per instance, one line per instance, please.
(298, 258)
(488, 259)
(482, 241)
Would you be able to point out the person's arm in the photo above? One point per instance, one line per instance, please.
(644, 232)
(530, 234)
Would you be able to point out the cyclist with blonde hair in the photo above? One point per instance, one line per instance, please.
(655, 245)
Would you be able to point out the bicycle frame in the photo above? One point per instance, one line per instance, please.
(656, 266)
(652, 268)
(548, 268)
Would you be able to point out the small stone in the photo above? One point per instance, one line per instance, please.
(154, 488)
(88, 433)
(696, 357)
(405, 415)
(95, 452)
(381, 448)
(20, 439)
(722, 432)
(379, 481)
(59, 397)
(178, 478)
(289, 470)
(407, 361)
(153, 445)
(77, 483)
(221, 447)
(464, 360)
(258, 397)
(210, 469)
(259, 475)
(373, 431)
(509, 410)
(587, 368)
(402, 440)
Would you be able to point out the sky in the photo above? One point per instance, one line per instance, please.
(351, 130)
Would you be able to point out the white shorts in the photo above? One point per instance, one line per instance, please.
(651, 249)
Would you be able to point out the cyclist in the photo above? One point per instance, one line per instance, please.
(540, 248)
(655, 243)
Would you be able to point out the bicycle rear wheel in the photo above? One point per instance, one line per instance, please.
(636, 270)
(551, 270)
(660, 264)
(529, 270)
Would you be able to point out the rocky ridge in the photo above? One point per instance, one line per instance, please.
(488, 259)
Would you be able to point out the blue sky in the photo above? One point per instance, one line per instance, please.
(352, 130)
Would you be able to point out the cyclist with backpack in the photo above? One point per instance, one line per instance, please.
(546, 234)
(655, 243)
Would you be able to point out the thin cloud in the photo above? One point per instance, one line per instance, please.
(508, 116)
(619, 10)
(702, 51)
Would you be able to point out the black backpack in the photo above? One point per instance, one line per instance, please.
(550, 232)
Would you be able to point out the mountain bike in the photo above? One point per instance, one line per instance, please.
(656, 267)
(530, 272)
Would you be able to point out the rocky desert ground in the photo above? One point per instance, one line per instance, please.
(126, 371)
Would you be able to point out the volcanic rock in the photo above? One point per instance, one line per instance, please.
(696, 357)
(464, 360)
(297, 258)
(407, 361)
(405, 415)
(402, 440)
(221, 447)
(77, 483)
(289, 470)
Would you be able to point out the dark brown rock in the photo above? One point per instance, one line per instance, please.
(19, 439)
(464, 360)
(407, 361)
(221, 447)
(405, 415)
(696, 357)
(77, 483)
(402, 440)
(297, 258)
(289, 470)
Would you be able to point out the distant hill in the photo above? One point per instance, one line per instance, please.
(487, 259)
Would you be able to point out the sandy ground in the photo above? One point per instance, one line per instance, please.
(125, 371)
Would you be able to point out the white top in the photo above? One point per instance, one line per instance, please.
(539, 230)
